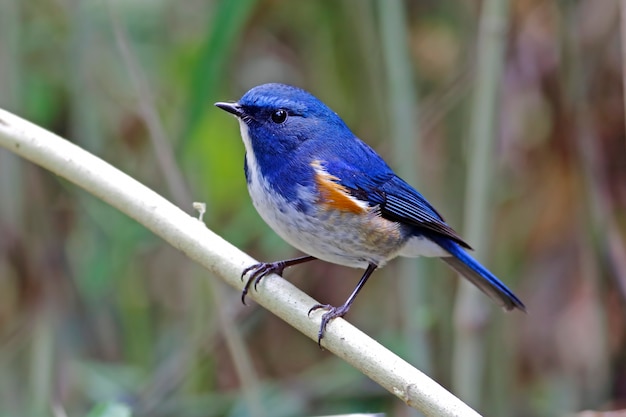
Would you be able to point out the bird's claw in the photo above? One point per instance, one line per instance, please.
(331, 313)
(257, 273)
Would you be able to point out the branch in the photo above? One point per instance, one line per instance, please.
(199, 243)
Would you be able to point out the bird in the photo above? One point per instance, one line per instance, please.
(332, 197)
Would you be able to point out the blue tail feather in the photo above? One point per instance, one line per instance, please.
(471, 269)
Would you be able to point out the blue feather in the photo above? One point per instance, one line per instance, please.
(471, 269)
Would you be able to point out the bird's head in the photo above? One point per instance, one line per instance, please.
(277, 118)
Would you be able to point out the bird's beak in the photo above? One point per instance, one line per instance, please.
(232, 108)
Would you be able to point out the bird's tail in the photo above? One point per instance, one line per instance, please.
(471, 269)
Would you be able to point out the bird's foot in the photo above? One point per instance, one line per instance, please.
(258, 272)
(331, 313)
(262, 269)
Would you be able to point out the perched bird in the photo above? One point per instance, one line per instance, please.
(333, 197)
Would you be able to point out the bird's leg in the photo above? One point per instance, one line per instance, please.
(334, 312)
(262, 269)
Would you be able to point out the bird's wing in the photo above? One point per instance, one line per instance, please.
(401, 202)
(378, 186)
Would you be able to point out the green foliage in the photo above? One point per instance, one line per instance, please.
(110, 410)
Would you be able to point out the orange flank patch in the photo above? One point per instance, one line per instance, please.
(333, 195)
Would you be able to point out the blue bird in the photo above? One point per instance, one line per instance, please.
(333, 197)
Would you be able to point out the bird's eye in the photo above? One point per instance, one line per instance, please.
(279, 116)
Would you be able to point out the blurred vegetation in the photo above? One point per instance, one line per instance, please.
(96, 310)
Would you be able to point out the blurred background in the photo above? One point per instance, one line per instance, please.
(507, 115)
